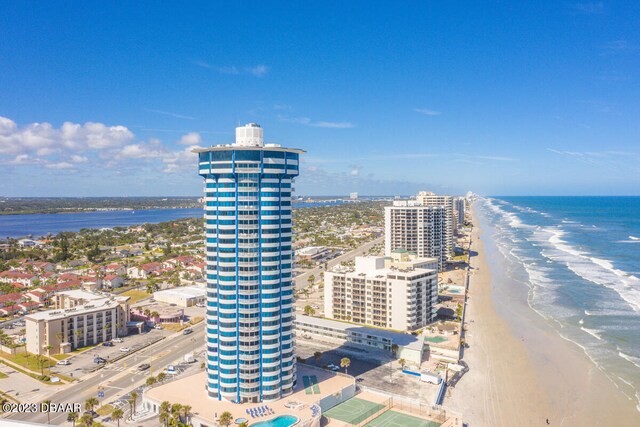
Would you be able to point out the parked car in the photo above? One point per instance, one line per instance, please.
(157, 326)
(125, 349)
(107, 344)
(64, 362)
(171, 370)
(333, 367)
(144, 367)
(187, 331)
(118, 340)
(99, 360)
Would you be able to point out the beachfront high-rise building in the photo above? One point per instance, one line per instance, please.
(422, 230)
(398, 293)
(459, 209)
(427, 198)
(249, 336)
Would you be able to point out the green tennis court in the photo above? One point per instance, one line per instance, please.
(435, 339)
(398, 419)
(354, 410)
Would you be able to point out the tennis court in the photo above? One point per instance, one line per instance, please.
(354, 410)
(398, 419)
(435, 339)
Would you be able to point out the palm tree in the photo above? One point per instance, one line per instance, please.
(117, 414)
(225, 418)
(86, 420)
(309, 311)
(73, 416)
(151, 381)
(345, 363)
(402, 362)
(154, 314)
(311, 279)
(244, 424)
(176, 410)
(90, 403)
(48, 349)
(147, 312)
(132, 402)
(47, 403)
(164, 418)
(161, 376)
(186, 412)
(60, 337)
(317, 356)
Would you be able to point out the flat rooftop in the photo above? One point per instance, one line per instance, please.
(92, 307)
(182, 292)
(404, 340)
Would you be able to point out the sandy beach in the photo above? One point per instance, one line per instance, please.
(522, 372)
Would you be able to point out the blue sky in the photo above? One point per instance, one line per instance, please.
(530, 98)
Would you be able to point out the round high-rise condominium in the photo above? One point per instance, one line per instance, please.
(249, 331)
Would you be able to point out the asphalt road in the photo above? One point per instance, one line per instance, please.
(117, 378)
(302, 280)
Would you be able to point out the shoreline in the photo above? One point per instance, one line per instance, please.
(522, 372)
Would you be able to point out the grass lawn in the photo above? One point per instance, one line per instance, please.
(104, 410)
(61, 356)
(29, 362)
(174, 327)
(196, 320)
(136, 295)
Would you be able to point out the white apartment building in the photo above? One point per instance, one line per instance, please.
(427, 198)
(397, 293)
(80, 319)
(421, 230)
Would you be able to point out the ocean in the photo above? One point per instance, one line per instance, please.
(579, 259)
(42, 224)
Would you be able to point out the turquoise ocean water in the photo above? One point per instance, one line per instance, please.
(579, 258)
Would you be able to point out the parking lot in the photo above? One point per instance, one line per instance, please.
(83, 363)
(369, 369)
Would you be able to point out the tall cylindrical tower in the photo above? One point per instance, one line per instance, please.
(250, 342)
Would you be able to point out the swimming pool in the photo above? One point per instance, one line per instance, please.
(280, 421)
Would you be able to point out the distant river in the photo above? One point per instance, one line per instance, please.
(42, 224)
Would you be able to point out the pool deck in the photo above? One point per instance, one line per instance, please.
(191, 390)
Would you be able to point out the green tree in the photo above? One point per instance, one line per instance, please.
(151, 381)
(226, 419)
(86, 420)
(402, 363)
(317, 356)
(117, 414)
(132, 402)
(90, 403)
(72, 417)
(309, 311)
(345, 362)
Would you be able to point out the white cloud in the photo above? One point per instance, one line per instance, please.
(427, 112)
(59, 165)
(258, 71)
(170, 114)
(79, 159)
(320, 124)
(153, 149)
(180, 160)
(592, 8)
(44, 139)
(354, 172)
(192, 138)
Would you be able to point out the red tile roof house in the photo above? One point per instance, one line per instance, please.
(26, 279)
(37, 296)
(12, 309)
(38, 266)
(28, 306)
(67, 277)
(183, 261)
(143, 271)
(12, 298)
(117, 269)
